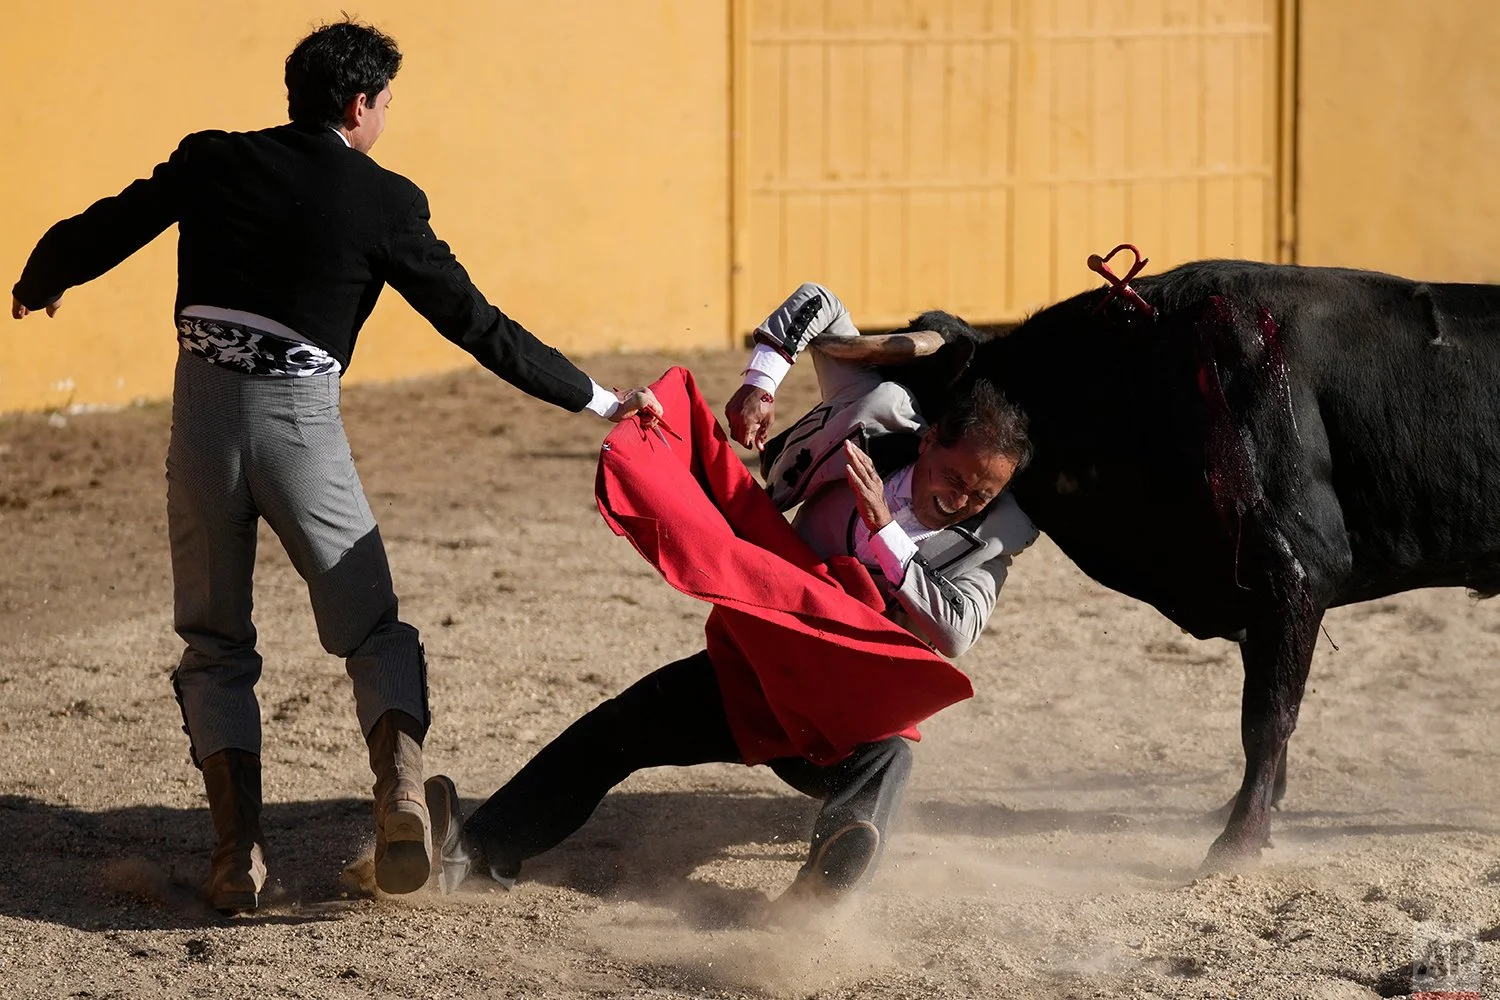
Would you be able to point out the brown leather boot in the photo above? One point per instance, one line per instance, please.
(237, 869)
(403, 829)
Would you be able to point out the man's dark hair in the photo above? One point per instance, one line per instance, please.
(332, 65)
(980, 414)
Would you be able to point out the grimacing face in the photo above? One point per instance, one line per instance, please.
(952, 484)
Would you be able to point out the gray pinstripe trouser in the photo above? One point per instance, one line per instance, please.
(245, 447)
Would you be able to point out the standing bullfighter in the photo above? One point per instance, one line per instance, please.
(931, 522)
(286, 237)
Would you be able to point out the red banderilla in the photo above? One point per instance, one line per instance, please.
(1117, 285)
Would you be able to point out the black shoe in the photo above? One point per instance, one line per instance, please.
(460, 849)
(840, 863)
(450, 858)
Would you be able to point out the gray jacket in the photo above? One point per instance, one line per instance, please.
(952, 584)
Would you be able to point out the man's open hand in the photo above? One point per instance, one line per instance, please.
(869, 491)
(18, 311)
(750, 412)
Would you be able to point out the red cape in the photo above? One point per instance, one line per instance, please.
(807, 663)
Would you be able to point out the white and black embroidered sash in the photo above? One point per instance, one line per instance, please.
(252, 351)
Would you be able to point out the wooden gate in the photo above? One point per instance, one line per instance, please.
(968, 154)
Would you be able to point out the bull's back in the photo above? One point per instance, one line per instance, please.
(1386, 389)
(1406, 378)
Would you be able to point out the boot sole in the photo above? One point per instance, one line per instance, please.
(406, 864)
(847, 857)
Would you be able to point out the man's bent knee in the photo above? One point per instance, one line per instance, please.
(346, 635)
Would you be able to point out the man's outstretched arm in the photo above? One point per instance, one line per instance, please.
(423, 269)
(83, 247)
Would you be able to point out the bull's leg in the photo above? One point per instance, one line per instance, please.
(1274, 473)
(1277, 654)
(1278, 792)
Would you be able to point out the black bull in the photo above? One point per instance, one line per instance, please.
(1275, 442)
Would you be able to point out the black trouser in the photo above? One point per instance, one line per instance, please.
(674, 716)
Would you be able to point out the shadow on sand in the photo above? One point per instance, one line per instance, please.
(139, 867)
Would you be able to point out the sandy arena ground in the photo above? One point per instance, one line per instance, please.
(1049, 847)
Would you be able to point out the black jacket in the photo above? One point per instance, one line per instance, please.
(292, 224)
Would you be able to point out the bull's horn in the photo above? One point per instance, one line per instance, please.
(880, 349)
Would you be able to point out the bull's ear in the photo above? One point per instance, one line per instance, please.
(880, 349)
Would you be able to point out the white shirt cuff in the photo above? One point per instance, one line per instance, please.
(766, 368)
(604, 403)
(893, 549)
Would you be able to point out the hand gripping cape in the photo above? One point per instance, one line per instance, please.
(807, 664)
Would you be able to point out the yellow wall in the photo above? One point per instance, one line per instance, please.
(575, 152)
(1398, 137)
